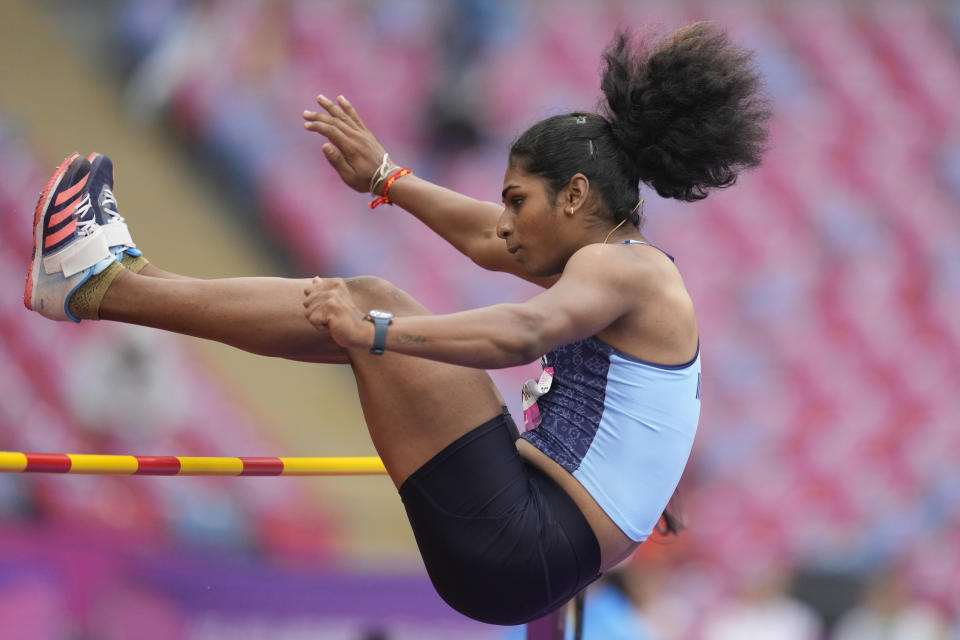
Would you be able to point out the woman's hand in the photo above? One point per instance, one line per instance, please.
(330, 306)
(352, 150)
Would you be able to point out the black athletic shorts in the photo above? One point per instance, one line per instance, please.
(501, 541)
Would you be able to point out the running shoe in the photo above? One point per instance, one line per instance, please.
(105, 207)
(68, 245)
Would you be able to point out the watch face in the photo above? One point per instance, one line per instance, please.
(379, 313)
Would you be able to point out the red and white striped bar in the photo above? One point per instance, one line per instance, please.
(18, 462)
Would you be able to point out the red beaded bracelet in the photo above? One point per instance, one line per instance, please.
(386, 189)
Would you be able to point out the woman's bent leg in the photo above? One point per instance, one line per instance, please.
(413, 407)
(478, 511)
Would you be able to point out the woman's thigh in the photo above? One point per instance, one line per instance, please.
(415, 407)
(502, 542)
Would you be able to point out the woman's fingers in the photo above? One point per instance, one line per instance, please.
(330, 130)
(310, 288)
(327, 126)
(312, 117)
(313, 292)
(322, 292)
(334, 110)
(338, 130)
(350, 111)
(329, 306)
(355, 152)
(316, 303)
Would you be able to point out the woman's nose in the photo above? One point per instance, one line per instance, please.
(503, 227)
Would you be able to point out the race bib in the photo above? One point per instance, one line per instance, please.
(530, 393)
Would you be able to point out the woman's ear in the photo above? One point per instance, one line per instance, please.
(576, 193)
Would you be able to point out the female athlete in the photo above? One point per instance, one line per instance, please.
(510, 527)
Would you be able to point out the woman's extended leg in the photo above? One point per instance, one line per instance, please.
(413, 407)
(259, 315)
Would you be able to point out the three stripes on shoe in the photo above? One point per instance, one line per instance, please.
(57, 232)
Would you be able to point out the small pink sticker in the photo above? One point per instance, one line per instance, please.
(530, 393)
(531, 417)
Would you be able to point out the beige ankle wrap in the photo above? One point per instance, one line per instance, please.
(85, 301)
(134, 263)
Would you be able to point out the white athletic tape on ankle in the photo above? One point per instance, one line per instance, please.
(117, 234)
(82, 254)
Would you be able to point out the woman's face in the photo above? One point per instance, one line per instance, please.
(533, 224)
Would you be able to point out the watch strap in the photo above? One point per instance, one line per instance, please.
(380, 335)
(380, 324)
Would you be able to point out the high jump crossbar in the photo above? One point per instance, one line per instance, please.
(551, 627)
(19, 462)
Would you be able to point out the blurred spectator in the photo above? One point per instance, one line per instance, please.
(141, 25)
(184, 40)
(888, 613)
(766, 610)
(128, 385)
(468, 29)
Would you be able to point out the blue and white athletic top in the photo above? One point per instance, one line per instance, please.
(622, 426)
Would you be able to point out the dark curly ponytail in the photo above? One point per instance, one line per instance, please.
(684, 117)
(688, 111)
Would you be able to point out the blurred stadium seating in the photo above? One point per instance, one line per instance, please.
(827, 282)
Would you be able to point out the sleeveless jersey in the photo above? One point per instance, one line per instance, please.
(622, 426)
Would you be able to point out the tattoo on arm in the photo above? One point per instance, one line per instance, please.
(406, 338)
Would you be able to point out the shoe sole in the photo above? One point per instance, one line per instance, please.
(36, 263)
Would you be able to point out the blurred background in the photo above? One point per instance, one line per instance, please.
(823, 494)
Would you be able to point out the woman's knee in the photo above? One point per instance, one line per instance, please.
(371, 292)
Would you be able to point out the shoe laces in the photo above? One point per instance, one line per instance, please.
(86, 221)
(110, 206)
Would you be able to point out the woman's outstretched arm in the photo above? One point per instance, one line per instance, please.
(468, 224)
(589, 297)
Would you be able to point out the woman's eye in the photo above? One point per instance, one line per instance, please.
(516, 202)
